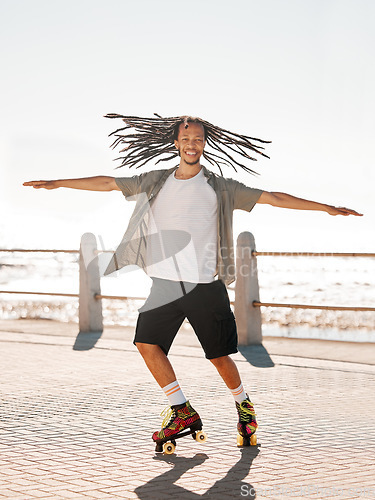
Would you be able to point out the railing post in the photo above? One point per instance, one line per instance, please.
(90, 309)
(248, 317)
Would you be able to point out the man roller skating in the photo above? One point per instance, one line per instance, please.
(181, 234)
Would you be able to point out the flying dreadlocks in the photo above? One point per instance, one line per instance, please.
(154, 137)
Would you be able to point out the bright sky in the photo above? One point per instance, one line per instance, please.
(299, 73)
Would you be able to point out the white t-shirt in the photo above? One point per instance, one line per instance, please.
(182, 238)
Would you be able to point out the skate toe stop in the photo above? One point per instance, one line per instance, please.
(159, 448)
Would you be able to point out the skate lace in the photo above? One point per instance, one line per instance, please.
(169, 414)
(244, 411)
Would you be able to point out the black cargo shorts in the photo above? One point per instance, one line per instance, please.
(205, 305)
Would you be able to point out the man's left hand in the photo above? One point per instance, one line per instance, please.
(331, 210)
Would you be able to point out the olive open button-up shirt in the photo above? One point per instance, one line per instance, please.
(231, 195)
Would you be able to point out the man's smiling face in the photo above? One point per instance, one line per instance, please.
(190, 142)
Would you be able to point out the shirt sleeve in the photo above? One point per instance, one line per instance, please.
(129, 185)
(245, 197)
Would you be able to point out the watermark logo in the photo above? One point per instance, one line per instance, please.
(306, 491)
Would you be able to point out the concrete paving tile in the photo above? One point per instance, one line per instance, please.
(99, 494)
(7, 493)
(37, 493)
(10, 472)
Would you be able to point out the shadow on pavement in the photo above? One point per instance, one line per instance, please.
(230, 486)
(86, 340)
(256, 355)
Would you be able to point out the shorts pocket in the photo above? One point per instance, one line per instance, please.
(221, 315)
(227, 329)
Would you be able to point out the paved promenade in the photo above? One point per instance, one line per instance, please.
(77, 413)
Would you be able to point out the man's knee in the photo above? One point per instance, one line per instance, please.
(141, 346)
(144, 348)
(222, 360)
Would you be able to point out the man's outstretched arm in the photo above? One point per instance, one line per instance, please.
(97, 183)
(284, 200)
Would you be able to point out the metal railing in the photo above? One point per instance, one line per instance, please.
(308, 306)
(36, 250)
(55, 294)
(247, 304)
(312, 254)
(39, 250)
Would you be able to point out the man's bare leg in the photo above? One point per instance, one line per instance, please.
(184, 416)
(228, 371)
(157, 362)
(247, 424)
(161, 369)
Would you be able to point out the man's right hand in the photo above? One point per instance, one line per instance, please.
(42, 184)
(97, 183)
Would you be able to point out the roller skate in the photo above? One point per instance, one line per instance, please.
(247, 424)
(179, 421)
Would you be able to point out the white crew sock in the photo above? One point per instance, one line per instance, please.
(239, 394)
(174, 394)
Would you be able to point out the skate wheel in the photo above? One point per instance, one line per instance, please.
(201, 436)
(240, 440)
(253, 440)
(168, 448)
(243, 441)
